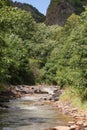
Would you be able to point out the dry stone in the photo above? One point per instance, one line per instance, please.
(61, 128)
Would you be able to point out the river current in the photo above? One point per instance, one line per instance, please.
(28, 114)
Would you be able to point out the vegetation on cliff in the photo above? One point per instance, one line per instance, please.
(77, 4)
(32, 53)
(59, 10)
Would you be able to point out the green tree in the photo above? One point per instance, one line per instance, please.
(16, 21)
(3, 67)
(16, 31)
(5, 3)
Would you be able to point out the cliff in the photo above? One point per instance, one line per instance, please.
(59, 10)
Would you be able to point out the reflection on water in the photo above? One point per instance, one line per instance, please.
(22, 114)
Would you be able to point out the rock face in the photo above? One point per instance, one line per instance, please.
(58, 13)
(59, 10)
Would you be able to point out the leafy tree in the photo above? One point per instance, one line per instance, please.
(3, 67)
(39, 17)
(16, 21)
(33, 53)
(15, 32)
(5, 3)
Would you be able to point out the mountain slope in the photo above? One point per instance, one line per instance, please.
(39, 17)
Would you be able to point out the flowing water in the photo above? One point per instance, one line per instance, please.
(28, 114)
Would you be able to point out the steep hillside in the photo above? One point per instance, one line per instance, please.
(35, 13)
(59, 10)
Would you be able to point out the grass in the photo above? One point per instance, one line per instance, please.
(71, 95)
(2, 87)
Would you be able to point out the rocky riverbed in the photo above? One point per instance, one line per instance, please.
(79, 118)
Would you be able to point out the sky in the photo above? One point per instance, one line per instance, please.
(41, 5)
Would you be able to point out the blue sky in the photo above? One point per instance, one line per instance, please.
(41, 5)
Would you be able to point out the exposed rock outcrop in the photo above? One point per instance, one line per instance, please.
(59, 11)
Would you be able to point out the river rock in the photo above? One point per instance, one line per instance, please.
(85, 124)
(56, 94)
(49, 129)
(73, 127)
(80, 123)
(71, 123)
(61, 128)
(75, 110)
(3, 106)
(5, 96)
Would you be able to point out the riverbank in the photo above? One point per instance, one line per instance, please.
(67, 105)
(32, 111)
(79, 117)
(55, 97)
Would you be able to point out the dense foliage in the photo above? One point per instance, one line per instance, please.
(33, 53)
(39, 17)
(5, 3)
(15, 58)
(78, 5)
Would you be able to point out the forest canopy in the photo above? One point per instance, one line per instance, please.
(32, 53)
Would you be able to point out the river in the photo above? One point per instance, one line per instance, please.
(28, 114)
